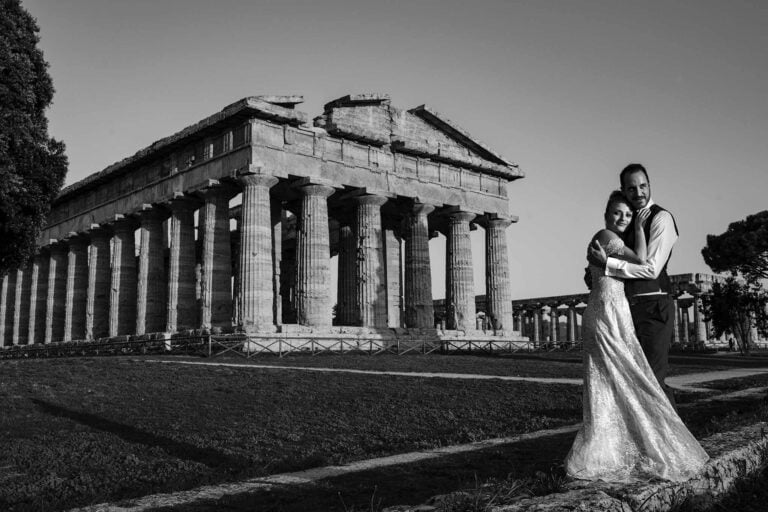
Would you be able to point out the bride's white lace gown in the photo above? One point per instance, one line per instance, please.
(630, 430)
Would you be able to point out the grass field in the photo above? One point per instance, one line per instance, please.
(86, 430)
(82, 430)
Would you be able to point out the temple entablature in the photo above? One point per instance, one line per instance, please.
(359, 141)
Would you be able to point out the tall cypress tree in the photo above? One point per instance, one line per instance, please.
(32, 165)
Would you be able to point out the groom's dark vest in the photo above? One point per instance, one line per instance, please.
(634, 287)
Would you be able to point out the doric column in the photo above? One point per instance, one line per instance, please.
(122, 300)
(676, 313)
(571, 323)
(276, 213)
(21, 311)
(234, 245)
(255, 269)
(460, 284)
(497, 285)
(698, 320)
(536, 334)
(346, 302)
(77, 288)
(216, 261)
(313, 265)
(152, 285)
(419, 309)
(57, 290)
(554, 323)
(684, 315)
(182, 300)
(38, 298)
(393, 257)
(4, 340)
(288, 269)
(754, 334)
(10, 308)
(371, 264)
(99, 280)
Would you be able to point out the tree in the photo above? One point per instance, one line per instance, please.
(742, 249)
(32, 165)
(738, 304)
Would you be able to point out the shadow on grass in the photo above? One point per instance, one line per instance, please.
(407, 484)
(178, 449)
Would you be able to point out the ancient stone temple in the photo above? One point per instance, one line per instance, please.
(230, 225)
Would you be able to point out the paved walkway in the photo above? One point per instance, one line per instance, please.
(683, 382)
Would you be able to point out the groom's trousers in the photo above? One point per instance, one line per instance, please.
(654, 325)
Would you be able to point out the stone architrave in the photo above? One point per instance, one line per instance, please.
(255, 268)
(497, 284)
(152, 283)
(21, 320)
(313, 257)
(98, 294)
(57, 291)
(4, 310)
(419, 309)
(216, 259)
(38, 287)
(77, 288)
(346, 302)
(371, 264)
(122, 300)
(460, 284)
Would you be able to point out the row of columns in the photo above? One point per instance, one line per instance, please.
(91, 285)
(531, 323)
(684, 332)
(688, 327)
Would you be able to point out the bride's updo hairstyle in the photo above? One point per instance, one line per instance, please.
(616, 197)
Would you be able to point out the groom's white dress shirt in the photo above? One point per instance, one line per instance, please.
(663, 236)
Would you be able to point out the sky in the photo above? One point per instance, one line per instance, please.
(571, 91)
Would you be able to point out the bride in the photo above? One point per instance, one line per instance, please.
(630, 430)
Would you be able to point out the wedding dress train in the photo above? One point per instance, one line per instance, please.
(630, 430)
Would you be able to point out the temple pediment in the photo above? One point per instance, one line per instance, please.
(421, 131)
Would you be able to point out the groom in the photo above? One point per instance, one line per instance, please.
(647, 286)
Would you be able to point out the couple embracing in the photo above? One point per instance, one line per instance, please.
(631, 430)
